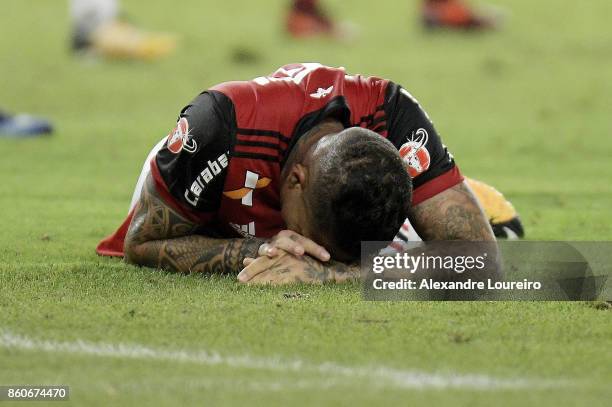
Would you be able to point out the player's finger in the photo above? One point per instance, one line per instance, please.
(257, 266)
(289, 245)
(267, 249)
(310, 247)
(247, 261)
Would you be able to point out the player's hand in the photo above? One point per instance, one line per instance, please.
(283, 268)
(291, 242)
(286, 268)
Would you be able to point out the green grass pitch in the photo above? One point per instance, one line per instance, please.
(526, 109)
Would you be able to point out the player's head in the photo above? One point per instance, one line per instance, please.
(341, 187)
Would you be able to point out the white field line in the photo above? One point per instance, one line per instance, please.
(252, 384)
(378, 375)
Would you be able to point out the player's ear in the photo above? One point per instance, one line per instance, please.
(298, 176)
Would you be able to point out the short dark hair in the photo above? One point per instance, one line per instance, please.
(360, 191)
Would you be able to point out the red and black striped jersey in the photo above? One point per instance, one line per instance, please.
(221, 164)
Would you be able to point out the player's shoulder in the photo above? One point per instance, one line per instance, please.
(208, 102)
(204, 125)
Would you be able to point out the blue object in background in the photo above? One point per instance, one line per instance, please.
(23, 125)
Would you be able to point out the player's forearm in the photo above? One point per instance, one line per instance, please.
(345, 272)
(194, 254)
(159, 236)
(454, 215)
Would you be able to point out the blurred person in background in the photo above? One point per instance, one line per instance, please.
(23, 125)
(307, 18)
(456, 14)
(98, 28)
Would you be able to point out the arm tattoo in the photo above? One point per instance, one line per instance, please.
(454, 214)
(161, 237)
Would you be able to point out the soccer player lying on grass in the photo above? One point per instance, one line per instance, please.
(287, 174)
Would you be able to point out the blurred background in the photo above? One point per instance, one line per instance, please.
(525, 106)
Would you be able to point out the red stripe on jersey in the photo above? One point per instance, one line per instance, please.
(273, 152)
(245, 143)
(264, 139)
(164, 193)
(439, 184)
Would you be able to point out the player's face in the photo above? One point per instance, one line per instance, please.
(297, 175)
(296, 188)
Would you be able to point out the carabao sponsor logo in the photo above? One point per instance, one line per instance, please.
(208, 174)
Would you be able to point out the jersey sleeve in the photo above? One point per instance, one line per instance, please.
(190, 169)
(430, 165)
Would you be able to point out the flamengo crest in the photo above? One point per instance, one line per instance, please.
(180, 139)
(415, 154)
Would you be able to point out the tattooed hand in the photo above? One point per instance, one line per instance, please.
(292, 242)
(285, 268)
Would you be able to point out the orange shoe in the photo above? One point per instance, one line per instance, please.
(455, 14)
